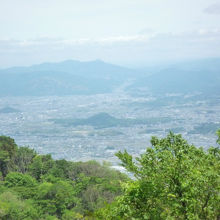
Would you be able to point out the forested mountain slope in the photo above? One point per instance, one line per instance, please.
(171, 180)
(35, 186)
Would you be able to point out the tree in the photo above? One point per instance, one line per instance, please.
(71, 215)
(41, 165)
(14, 179)
(172, 180)
(56, 198)
(13, 208)
(7, 151)
(23, 158)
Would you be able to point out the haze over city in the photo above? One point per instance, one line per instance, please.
(109, 109)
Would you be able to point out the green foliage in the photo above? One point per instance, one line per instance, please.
(18, 179)
(173, 180)
(71, 215)
(50, 217)
(7, 151)
(95, 184)
(218, 134)
(55, 198)
(52, 189)
(61, 168)
(12, 208)
(41, 165)
(23, 159)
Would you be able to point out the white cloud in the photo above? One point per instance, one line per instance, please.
(146, 47)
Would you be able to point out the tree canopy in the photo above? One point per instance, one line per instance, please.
(34, 186)
(172, 180)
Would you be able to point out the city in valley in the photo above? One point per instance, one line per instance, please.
(41, 122)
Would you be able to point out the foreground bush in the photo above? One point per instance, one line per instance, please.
(173, 180)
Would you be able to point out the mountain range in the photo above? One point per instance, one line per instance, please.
(201, 76)
(74, 77)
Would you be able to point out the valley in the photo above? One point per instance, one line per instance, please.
(33, 123)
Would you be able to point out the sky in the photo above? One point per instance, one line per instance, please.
(125, 32)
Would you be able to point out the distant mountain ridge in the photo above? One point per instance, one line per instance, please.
(196, 76)
(64, 78)
(94, 77)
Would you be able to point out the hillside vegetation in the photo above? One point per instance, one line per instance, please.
(35, 186)
(171, 180)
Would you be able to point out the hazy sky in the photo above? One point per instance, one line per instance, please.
(128, 32)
